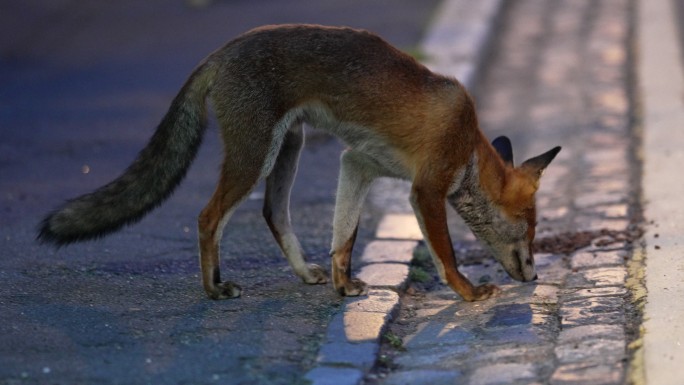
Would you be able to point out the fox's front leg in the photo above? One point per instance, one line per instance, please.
(429, 206)
(356, 175)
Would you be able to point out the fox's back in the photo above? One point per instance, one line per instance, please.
(354, 75)
(307, 53)
(300, 62)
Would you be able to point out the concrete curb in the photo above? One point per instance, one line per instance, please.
(455, 45)
(460, 36)
(662, 87)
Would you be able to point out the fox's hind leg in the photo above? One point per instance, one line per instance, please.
(247, 158)
(229, 193)
(277, 206)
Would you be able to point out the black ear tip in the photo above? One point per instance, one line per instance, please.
(501, 140)
(502, 145)
(550, 155)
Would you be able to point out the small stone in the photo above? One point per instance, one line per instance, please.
(521, 334)
(327, 375)
(399, 226)
(614, 211)
(545, 294)
(384, 275)
(598, 198)
(510, 315)
(609, 291)
(598, 277)
(587, 259)
(433, 333)
(435, 357)
(541, 354)
(593, 310)
(554, 214)
(580, 333)
(377, 301)
(388, 251)
(588, 373)
(607, 276)
(361, 355)
(598, 224)
(592, 350)
(502, 374)
(356, 327)
(424, 377)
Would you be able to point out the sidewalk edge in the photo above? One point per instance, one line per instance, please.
(661, 86)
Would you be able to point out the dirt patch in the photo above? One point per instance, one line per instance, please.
(567, 243)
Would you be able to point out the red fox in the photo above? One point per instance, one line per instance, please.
(397, 118)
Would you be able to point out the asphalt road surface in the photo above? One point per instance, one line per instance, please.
(82, 86)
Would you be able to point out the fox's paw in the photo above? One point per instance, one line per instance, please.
(353, 288)
(224, 290)
(315, 275)
(485, 291)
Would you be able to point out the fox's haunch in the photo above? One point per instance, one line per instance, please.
(148, 181)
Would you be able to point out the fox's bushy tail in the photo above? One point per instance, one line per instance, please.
(148, 181)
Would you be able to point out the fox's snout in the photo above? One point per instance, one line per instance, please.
(518, 262)
(536, 276)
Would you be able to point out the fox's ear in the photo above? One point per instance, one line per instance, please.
(535, 166)
(502, 145)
